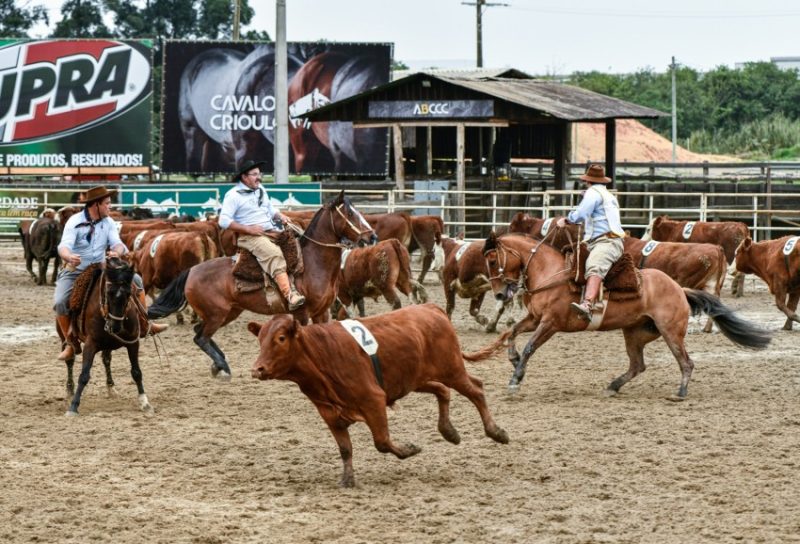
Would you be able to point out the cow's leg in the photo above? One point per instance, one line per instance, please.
(29, 264)
(472, 388)
(427, 259)
(445, 426)
(41, 279)
(792, 305)
(738, 280)
(56, 265)
(419, 295)
(391, 296)
(110, 391)
(338, 429)
(541, 334)
(362, 312)
(136, 374)
(219, 366)
(449, 300)
(635, 340)
(784, 304)
(374, 411)
(475, 304)
(499, 307)
(89, 351)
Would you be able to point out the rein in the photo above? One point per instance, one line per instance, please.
(338, 210)
(522, 281)
(110, 318)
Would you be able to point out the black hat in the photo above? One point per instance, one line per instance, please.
(247, 166)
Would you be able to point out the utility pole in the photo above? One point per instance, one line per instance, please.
(479, 4)
(673, 67)
(281, 171)
(236, 17)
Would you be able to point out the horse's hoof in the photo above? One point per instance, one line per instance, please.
(513, 389)
(223, 376)
(610, 393)
(111, 392)
(70, 413)
(676, 398)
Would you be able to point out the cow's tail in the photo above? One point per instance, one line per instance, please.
(736, 329)
(404, 276)
(490, 350)
(171, 299)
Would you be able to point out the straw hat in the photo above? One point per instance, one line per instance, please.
(595, 174)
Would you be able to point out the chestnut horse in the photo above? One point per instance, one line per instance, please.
(211, 289)
(109, 320)
(662, 309)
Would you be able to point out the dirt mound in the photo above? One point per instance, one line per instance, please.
(635, 143)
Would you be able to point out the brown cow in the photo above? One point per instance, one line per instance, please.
(163, 257)
(546, 229)
(728, 234)
(781, 272)
(422, 232)
(696, 266)
(465, 274)
(418, 350)
(377, 270)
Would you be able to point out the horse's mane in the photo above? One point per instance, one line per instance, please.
(314, 220)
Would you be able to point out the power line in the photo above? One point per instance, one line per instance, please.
(661, 14)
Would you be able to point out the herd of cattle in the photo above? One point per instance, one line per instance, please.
(697, 255)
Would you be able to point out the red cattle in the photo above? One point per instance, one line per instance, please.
(728, 234)
(163, 257)
(465, 274)
(696, 266)
(768, 260)
(422, 232)
(418, 350)
(372, 271)
(546, 229)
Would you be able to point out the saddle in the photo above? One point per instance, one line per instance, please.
(80, 294)
(623, 281)
(247, 269)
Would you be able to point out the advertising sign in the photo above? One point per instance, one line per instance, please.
(422, 109)
(75, 106)
(219, 106)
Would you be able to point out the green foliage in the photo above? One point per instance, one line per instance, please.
(752, 110)
(81, 19)
(16, 20)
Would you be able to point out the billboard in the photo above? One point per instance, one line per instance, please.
(219, 106)
(75, 106)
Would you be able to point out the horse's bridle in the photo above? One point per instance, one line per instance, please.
(110, 318)
(522, 281)
(337, 209)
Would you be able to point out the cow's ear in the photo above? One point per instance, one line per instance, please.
(293, 328)
(254, 328)
(747, 242)
(658, 220)
(460, 235)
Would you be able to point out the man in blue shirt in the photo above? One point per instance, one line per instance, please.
(247, 211)
(88, 237)
(599, 212)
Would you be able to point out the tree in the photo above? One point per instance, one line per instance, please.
(81, 19)
(16, 18)
(216, 18)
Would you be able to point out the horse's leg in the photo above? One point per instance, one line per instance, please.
(109, 380)
(70, 382)
(635, 340)
(542, 334)
(445, 426)
(675, 340)
(528, 323)
(136, 374)
(219, 366)
(499, 309)
(89, 351)
(472, 388)
(791, 304)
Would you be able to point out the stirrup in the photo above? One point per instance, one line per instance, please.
(295, 300)
(584, 310)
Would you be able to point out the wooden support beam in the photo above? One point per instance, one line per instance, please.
(460, 176)
(399, 170)
(611, 150)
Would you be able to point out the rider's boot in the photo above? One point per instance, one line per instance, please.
(293, 298)
(69, 350)
(584, 309)
(154, 328)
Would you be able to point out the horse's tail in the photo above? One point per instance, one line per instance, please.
(171, 299)
(488, 351)
(736, 329)
(404, 277)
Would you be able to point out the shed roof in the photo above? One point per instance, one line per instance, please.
(556, 100)
(464, 72)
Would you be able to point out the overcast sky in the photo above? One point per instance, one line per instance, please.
(550, 36)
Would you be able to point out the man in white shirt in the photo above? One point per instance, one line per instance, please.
(599, 212)
(247, 211)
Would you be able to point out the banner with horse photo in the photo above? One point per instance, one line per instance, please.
(75, 106)
(219, 106)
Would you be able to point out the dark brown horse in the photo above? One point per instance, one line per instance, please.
(108, 320)
(662, 309)
(212, 291)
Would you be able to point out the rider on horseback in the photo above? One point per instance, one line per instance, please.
(247, 211)
(599, 211)
(87, 236)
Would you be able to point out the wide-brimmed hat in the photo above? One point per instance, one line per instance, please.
(247, 166)
(98, 193)
(595, 174)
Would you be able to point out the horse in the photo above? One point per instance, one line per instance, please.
(109, 319)
(661, 309)
(211, 288)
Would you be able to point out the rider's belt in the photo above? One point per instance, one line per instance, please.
(606, 235)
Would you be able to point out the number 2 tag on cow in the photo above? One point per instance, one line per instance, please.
(361, 335)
